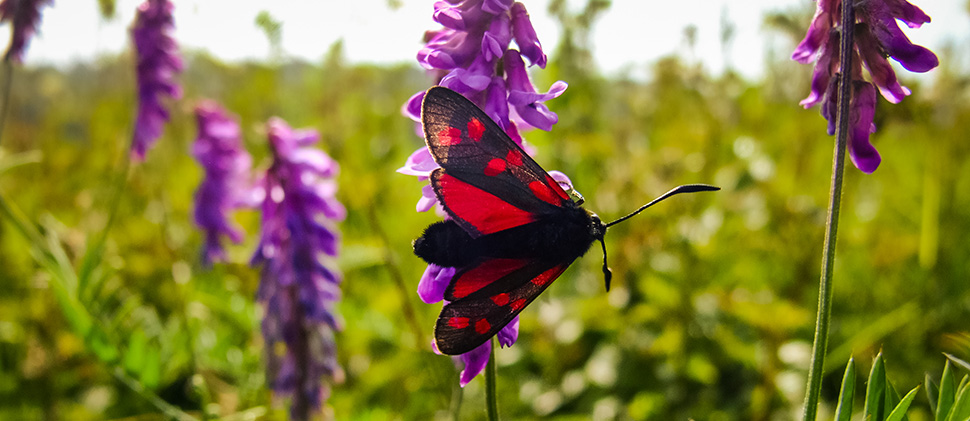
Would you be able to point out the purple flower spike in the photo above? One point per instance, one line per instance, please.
(876, 36)
(24, 16)
(523, 96)
(525, 36)
(297, 288)
(158, 63)
(227, 182)
(471, 55)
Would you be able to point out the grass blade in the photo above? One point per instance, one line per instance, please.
(876, 391)
(961, 406)
(947, 393)
(899, 413)
(932, 392)
(844, 411)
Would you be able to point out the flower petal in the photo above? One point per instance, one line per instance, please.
(863, 105)
(525, 36)
(475, 361)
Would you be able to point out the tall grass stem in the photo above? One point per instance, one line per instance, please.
(822, 320)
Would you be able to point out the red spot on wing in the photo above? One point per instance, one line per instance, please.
(449, 136)
(494, 167)
(549, 275)
(480, 276)
(500, 299)
(514, 158)
(484, 211)
(482, 326)
(556, 188)
(458, 322)
(475, 129)
(518, 304)
(545, 193)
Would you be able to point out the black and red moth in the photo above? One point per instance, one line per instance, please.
(513, 229)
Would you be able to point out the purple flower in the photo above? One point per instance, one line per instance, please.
(525, 36)
(298, 289)
(472, 56)
(24, 16)
(524, 98)
(226, 185)
(877, 37)
(158, 62)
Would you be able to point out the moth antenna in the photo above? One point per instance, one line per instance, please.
(607, 273)
(687, 188)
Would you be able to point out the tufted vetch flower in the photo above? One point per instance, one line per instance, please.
(227, 184)
(297, 285)
(24, 17)
(877, 38)
(158, 62)
(474, 54)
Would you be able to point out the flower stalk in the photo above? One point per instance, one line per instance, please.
(491, 378)
(823, 317)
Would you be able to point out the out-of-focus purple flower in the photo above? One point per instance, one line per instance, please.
(227, 183)
(24, 16)
(158, 62)
(471, 55)
(298, 289)
(877, 37)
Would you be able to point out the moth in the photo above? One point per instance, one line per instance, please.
(512, 229)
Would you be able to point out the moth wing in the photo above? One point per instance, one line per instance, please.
(487, 296)
(487, 183)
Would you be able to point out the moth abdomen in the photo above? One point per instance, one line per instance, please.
(445, 244)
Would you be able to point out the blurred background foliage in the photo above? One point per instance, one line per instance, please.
(712, 307)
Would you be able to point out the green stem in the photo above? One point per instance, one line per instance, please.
(7, 83)
(491, 400)
(168, 409)
(822, 321)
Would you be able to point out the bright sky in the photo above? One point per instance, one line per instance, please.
(629, 33)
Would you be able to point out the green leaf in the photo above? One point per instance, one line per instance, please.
(844, 411)
(151, 372)
(961, 407)
(876, 391)
(932, 392)
(8, 162)
(899, 413)
(965, 365)
(892, 399)
(134, 360)
(947, 393)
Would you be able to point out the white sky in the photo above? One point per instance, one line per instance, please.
(629, 33)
